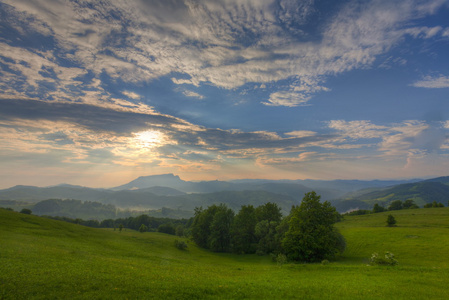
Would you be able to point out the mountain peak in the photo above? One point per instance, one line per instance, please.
(143, 182)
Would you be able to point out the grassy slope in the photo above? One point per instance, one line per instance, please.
(42, 258)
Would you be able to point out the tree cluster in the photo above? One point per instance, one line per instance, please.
(433, 204)
(141, 223)
(394, 205)
(306, 234)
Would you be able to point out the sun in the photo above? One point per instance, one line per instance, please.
(148, 139)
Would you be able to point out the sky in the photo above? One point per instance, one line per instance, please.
(97, 93)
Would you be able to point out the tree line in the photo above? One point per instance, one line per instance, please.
(165, 225)
(395, 205)
(306, 234)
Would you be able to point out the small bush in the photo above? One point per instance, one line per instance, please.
(143, 228)
(386, 260)
(26, 211)
(324, 262)
(281, 259)
(391, 221)
(181, 245)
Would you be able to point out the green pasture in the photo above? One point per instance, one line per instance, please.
(47, 259)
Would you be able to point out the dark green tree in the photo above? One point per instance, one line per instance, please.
(311, 235)
(266, 234)
(269, 216)
(391, 221)
(377, 208)
(409, 204)
(180, 230)
(270, 212)
(220, 229)
(26, 211)
(243, 230)
(200, 228)
(167, 228)
(395, 205)
(143, 228)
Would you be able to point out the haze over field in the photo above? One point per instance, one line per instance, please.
(100, 93)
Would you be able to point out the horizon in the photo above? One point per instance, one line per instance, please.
(97, 94)
(262, 179)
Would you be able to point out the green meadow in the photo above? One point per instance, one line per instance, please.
(47, 259)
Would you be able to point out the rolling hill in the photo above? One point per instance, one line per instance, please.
(48, 259)
(422, 192)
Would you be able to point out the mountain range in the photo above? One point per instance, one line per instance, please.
(170, 191)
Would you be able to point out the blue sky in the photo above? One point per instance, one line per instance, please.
(98, 93)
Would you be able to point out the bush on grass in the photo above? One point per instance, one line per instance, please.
(386, 260)
(181, 245)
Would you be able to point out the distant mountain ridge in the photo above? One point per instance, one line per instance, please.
(170, 191)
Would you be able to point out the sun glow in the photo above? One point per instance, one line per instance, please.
(148, 139)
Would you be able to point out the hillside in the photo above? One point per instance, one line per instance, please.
(42, 259)
(421, 192)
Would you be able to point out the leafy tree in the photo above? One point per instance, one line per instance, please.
(391, 221)
(167, 228)
(311, 235)
(409, 204)
(120, 227)
(143, 228)
(266, 233)
(180, 230)
(435, 204)
(395, 205)
(243, 230)
(201, 225)
(270, 212)
(25, 211)
(220, 229)
(269, 216)
(377, 208)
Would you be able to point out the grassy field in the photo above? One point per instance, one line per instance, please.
(47, 259)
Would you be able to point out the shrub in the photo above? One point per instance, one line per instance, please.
(181, 245)
(143, 228)
(324, 262)
(281, 259)
(26, 211)
(386, 260)
(167, 228)
(391, 221)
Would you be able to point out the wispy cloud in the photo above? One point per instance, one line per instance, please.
(131, 95)
(433, 82)
(224, 43)
(193, 94)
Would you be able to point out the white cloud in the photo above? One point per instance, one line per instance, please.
(423, 32)
(223, 43)
(192, 94)
(445, 32)
(290, 99)
(358, 129)
(437, 82)
(131, 95)
(300, 133)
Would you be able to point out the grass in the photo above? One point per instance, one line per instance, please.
(47, 259)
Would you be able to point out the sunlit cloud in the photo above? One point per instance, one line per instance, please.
(114, 84)
(192, 94)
